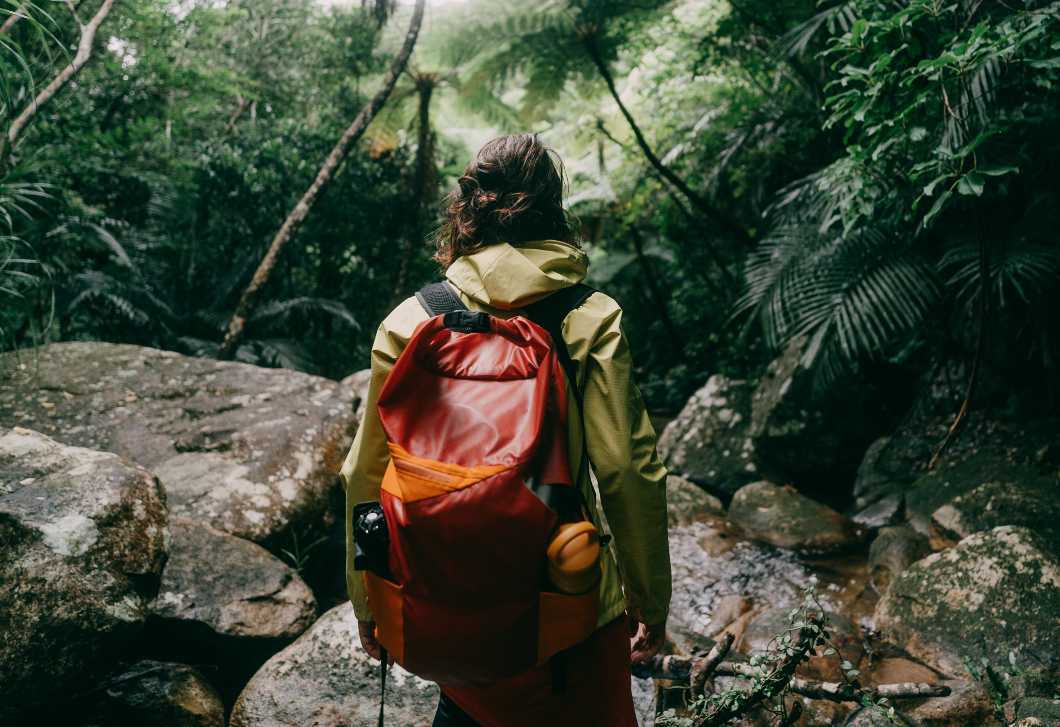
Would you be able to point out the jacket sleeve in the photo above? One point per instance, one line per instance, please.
(632, 480)
(362, 472)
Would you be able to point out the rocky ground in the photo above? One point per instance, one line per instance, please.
(150, 504)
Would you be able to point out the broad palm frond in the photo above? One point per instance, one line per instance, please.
(796, 40)
(850, 296)
(1021, 265)
(284, 353)
(280, 310)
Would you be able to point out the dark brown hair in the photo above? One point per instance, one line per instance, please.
(512, 191)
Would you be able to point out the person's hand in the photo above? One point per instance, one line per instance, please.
(645, 642)
(366, 630)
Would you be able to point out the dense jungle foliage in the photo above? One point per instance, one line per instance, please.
(744, 172)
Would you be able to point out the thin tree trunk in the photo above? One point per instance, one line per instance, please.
(589, 42)
(84, 51)
(249, 301)
(422, 179)
(980, 340)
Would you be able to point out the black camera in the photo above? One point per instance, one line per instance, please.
(371, 538)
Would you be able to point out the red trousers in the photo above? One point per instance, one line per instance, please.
(598, 689)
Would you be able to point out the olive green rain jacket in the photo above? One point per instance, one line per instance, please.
(619, 438)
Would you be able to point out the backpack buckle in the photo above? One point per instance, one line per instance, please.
(465, 321)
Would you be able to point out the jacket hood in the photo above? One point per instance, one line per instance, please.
(506, 276)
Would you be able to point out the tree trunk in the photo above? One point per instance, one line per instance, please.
(423, 181)
(84, 51)
(589, 42)
(249, 301)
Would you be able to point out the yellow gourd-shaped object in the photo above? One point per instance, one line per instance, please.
(574, 557)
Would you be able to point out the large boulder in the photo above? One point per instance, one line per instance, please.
(1031, 501)
(961, 475)
(709, 441)
(232, 589)
(782, 517)
(326, 679)
(226, 602)
(83, 541)
(153, 694)
(687, 502)
(247, 450)
(889, 466)
(994, 593)
(358, 382)
(819, 438)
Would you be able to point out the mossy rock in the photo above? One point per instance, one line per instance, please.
(995, 593)
(1039, 712)
(787, 519)
(1031, 502)
(960, 476)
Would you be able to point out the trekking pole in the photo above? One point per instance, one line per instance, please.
(382, 682)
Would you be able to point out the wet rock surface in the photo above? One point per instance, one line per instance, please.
(152, 694)
(994, 593)
(894, 550)
(787, 519)
(895, 670)
(326, 679)
(709, 441)
(83, 541)
(687, 502)
(246, 450)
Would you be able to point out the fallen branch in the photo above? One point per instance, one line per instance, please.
(680, 668)
(84, 51)
(766, 682)
(704, 668)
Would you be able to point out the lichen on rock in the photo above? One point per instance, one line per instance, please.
(83, 540)
(246, 450)
(994, 593)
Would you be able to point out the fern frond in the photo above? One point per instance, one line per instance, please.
(850, 296)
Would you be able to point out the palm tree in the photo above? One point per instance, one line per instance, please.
(551, 43)
(423, 190)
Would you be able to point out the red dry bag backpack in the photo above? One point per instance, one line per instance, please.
(478, 488)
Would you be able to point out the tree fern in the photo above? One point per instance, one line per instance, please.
(850, 296)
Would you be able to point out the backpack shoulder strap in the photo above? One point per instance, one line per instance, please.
(549, 313)
(439, 298)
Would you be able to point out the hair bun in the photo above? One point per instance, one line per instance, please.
(484, 200)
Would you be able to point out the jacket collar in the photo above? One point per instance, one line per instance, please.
(506, 276)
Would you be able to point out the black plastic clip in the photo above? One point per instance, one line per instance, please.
(465, 321)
